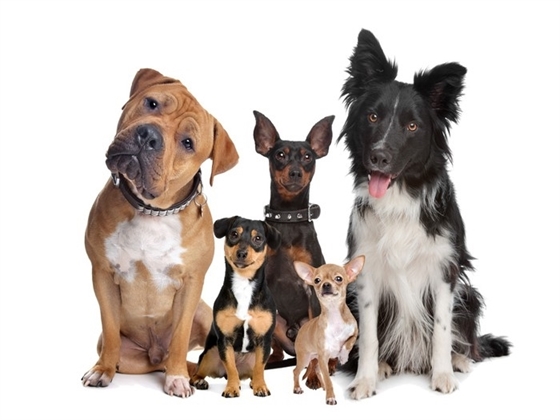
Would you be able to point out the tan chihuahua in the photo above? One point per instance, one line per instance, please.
(333, 333)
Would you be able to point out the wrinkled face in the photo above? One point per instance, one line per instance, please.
(395, 132)
(292, 166)
(163, 137)
(245, 246)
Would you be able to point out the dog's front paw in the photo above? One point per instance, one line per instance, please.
(231, 392)
(178, 385)
(98, 376)
(260, 390)
(331, 401)
(444, 382)
(362, 388)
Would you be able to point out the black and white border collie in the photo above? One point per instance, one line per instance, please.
(417, 310)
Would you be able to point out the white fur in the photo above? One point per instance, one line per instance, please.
(153, 241)
(401, 259)
(337, 333)
(242, 289)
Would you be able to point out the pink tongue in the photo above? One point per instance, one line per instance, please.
(378, 184)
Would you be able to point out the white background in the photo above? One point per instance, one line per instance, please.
(65, 72)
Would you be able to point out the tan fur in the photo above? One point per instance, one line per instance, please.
(333, 333)
(140, 321)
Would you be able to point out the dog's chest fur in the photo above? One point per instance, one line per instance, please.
(243, 289)
(337, 332)
(404, 266)
(153, 242)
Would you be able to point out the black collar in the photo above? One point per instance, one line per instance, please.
(313, 211)
(144, 208)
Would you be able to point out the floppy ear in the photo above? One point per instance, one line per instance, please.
(442, 86)
(224, 154)
(354, 267)
(320, 136)
(368, 65)
(305, 272)
(148, 77)
(265, 134)
(273, 237)
(221, 226)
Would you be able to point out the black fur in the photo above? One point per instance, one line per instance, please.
(398, 131)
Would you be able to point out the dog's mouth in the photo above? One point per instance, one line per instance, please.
(241, 264)
(328, 293)
(379, 183)
(293, 187)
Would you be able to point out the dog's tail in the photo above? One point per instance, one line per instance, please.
(492, 346)
(281, 363)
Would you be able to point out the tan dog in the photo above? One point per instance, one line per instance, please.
(150, 239)
(333, 333)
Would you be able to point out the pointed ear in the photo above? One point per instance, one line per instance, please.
(354, 267)
(148, 77)
(221, 226)
(368, 65)
(442, 86)
(320, 136)
(224, 154)
(305, 272)
(265, 134)
(273, 237)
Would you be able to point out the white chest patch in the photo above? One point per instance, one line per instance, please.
(242, 289)
(336, 333)
(153, 241)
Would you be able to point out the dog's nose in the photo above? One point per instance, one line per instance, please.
(241, 254)
(149, 137)
(327, 287)
(381, 158)
(295, 173)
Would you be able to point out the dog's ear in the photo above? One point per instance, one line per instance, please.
(368, 65)
(354, 267)
(148, 77)
(305, 272)
(224, 154)
(221, 226)
(442, 86)
(273, 236)
(265, 134)
(320, 136)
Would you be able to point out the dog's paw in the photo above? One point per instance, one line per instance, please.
(444, 382)
(98, 376)
(362, 388)
(384, 371)
(231, 392)
(313, 381)
(260, 391)
(178, 385)
(199, 383)
(461, 363)
(331, 401)
(298, 390)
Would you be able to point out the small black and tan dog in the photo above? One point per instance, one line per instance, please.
(239, 343)
(292, 166)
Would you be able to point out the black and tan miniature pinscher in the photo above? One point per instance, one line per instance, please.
(292, 166)
(239, 343)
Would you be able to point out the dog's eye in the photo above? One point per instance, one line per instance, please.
(338, 279)
(151, 103)
(258, 240)
(280, 155)
(412, 126)
(187, 143)
(317, 280)
(233, 234)
(307, 157)
(373, 117)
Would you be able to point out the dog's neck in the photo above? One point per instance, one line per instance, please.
(294, 209)
(147, 209)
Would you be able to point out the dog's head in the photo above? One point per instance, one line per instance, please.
(292, 163)
(330, 280)
(246, 243)
(163, 137)
(397, 132)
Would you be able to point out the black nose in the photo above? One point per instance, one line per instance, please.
(327, 287)
(381, 158)
(295, 173)
(241, 254)
(149, 137)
